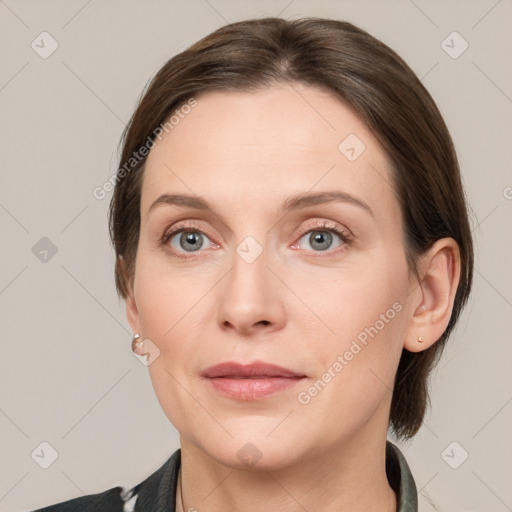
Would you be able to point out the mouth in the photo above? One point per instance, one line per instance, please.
(250, 382)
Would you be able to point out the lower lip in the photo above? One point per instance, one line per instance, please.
(252, 389)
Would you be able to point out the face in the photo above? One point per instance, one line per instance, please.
(288, 251)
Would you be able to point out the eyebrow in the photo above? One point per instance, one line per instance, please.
(295, 202)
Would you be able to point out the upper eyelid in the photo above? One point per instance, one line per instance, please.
(326, 225)
(193, 225)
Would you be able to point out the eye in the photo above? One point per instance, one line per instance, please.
(187, 239)
(323, 238)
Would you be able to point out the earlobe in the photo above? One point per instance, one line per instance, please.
(440, 271)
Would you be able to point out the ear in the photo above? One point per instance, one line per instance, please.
(440, 274)
(132, 312)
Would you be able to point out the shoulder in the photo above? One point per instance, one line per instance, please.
(110, 500)
(159, 488)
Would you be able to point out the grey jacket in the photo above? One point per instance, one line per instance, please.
(157, 493)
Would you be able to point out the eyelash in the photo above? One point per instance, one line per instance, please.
(190, 227)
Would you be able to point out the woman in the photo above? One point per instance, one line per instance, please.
(294, 250)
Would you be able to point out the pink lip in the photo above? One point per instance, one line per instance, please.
(250, 382)
(253, 370)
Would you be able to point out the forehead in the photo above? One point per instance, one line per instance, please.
(255, 147)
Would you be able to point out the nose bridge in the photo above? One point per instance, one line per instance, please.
(250, 295)
(249, 274)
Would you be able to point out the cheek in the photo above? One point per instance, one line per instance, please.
(353, 297)
(166, 297)
(356, 366)
(363, 318)
(167, 303)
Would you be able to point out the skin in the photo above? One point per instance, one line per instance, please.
(295, 306)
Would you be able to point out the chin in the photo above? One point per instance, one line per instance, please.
(255, 452)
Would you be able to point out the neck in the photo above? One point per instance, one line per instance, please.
(348, 476)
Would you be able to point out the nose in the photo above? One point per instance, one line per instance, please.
(251, 298)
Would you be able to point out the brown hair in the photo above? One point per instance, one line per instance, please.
(383, 91)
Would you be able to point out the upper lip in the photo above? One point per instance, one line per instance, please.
(256, 369)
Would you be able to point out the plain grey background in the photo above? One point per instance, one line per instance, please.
(68, 376)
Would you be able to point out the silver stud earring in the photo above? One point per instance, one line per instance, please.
(135, 341)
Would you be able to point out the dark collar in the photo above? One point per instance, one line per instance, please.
(401, 480)
(158, 492)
